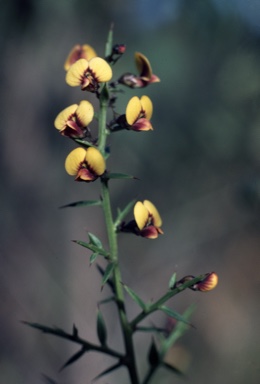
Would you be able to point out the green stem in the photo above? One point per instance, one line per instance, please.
(102, 118)
(155, 306)
(129, 358)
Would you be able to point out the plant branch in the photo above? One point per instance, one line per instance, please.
(156, 306)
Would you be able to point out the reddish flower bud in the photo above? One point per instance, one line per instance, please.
(119, 49)
(209, 282)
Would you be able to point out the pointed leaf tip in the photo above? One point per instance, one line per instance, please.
(101, 328)
(93, 239)
(107, 273)
(135, 297)
(74, 358)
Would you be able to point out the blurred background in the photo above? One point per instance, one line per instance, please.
(200, 167)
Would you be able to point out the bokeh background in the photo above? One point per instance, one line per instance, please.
(200, 166)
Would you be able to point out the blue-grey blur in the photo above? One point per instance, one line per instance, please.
(200, 167)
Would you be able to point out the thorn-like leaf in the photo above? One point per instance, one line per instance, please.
(83, 203)
(135, 297)
(174, 314)
(48, 380)
(109, 281)
(122, 214)
(151, 329)
(101, 328)
(119, 176)
(107, 300)
(92, 247)
(74, 358)
(75, 332)
(153, 355)
(172, 368)
(93, 258)
(106, 371)
(108, 272)
(84, 143)
(172, 281)
(93, 239)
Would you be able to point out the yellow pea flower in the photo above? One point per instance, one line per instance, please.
(85, 164)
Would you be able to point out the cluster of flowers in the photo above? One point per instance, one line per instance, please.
(85, 69)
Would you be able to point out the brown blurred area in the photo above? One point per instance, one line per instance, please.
(200, 167)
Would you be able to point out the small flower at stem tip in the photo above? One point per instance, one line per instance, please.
(89, 74)
(79, 52)
(209, 282)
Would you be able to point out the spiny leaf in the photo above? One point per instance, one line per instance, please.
(83, 203)
(108, 272)
(179, 329)
(174, 314)
(153, 355)
(151, 329)
(75, 332)
(74, 358)
(119, 176)
(93, 257)
(122, 214)
(172, 281)
(109, 42)
(134, 296)
(172, 368)
(108, 370)
(48, 379)
(92, 247)
(84, 142)
(109, 281)
(107, 300)
(101, 328)
(93, 239)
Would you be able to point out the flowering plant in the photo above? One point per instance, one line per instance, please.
(88, 163)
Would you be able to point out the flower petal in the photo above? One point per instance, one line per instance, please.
(133, 110)
(141, 215)
(62, 118)
(149, 232)
(154, 79)
(147, 106)
(85, 113)
(85, 174)
(143, 66)
(76, 73)
(95, 161)
(209, 283)
(79, 52)
(100, 69)
(157, 221)
(142, 125)
(73, 161)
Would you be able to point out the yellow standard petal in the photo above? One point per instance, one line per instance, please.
(157, 221)
(147, 106)
(100, 69)
(73, 161)
(95, 161)
(133, 110)
(76, 73)
(62, 118)
(85, 113)
(88, 52)
(143, 66)
(141, 215)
